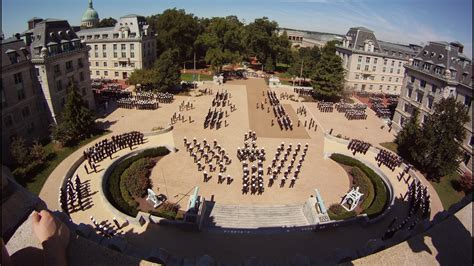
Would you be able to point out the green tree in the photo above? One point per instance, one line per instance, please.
(442, 135)
(166, 71)
(106, 22)
(306, 57)
(409, 139)
(20, 152)
(76, 121)
(38, 152)
(328, 76)
(176, 30)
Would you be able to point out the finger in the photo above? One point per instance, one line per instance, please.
(35, 217)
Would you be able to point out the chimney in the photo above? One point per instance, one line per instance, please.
(458, 46)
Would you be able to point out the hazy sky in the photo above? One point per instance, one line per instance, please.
(403, 21)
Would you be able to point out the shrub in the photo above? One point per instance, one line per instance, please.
(337, 212)
(114, 191)
(365, 187)
(136, 177)
(466, 183)
(380, 191)
(38, 152)
(20, 152)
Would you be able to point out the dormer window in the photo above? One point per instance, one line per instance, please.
(453, 74)
(439, 70)
(433, 54)
(440, 56)
(416, 63)
(425, 52)
(13, 56)
(426, 66)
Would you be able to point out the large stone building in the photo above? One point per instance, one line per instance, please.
(36, 72)
(372, 65)
(439, 70)
(24, 113)
(90, 18)
(115, 52)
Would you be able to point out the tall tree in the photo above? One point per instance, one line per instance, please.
(442, 136)
(106, 22)
(20, 152)
(328, 76)
(76, 121)
(304, 59)
(409, 139)
(176, 30)
(166, 71)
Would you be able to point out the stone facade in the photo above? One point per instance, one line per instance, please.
(115, 52)
(430, 77)
(372, 65)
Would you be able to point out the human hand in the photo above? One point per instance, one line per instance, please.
(48, 228)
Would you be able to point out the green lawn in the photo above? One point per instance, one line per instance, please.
(390, 146)
(284, 75)
(446, 192)
(189, 77)
(286, 82)
(35, 183)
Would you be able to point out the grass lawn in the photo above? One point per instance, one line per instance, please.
(286, 82)
(35, 183)
(390, 146)
(446, 192)
(284, 75)
(189, 77)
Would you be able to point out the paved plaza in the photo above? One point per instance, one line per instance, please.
(176, 175)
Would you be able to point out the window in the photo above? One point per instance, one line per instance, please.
(124, 55)
(359, 59)
(81, 76)
(115, 64)
(104, 55)
(96, 54)
(106, 73)
(419, 96)
(367, 60)
(380, 87)
(59, 85)
(25, 111)
(115, 46)
(366, 68)
(115, 54)
(18, 78)
(105, 64)
(389, 79)
(422, 83)
(426, 66)
(132, 54)
(406, 108)
(409, 92)
(402, 120)
(96, 64)
(116, 74)
(393, 63)
(400, 64)
(433, 88)
(438, 70)
(388, 87)
(416, 63)
(132, 46)
(79, 63)
(385, 61)
(375, 60)
(96, 47)
(104, 47)
(397, 79)
(384, 69)
(57, 70)
(123, 46)
(383, 78)
(429, 103)
(391, 70)
(357, 76)
(424, 119)
(358, 67)
(374, 68)
(467, 101)
(8, 120)
(97, 73)
(412, 79)
(371, 86)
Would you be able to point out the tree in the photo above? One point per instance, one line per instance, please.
(106, 22)
(76, 121)
(306, 57)
(466, 183)
(176, 30)
(20, 152)
(38, 152)
(166, 71)
(328, 76)
(440, 150)
(409, 139)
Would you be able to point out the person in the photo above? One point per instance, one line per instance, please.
(54, 238)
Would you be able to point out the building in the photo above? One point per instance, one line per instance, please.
(60, 60)
(372, 65)
(24, 113)
(115, 52)
(439, 70)
(90, 18)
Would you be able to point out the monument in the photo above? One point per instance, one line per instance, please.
(351, 199)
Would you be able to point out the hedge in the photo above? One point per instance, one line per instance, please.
(113, 191)
(365, 186)
(380, 191)
(337, 212)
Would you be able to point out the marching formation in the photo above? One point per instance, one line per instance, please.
(75, 195)
(388, 159)
(360, 146)
(106, 148)
(282, 117)
(303, 91)
(379, 108)
(204, 154)
(278, 165)
(252, 179)
(326, 107)
(214, 118)
(106, 229)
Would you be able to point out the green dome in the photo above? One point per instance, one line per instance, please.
(90, 13)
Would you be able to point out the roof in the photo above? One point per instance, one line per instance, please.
(396, 47)
(90, 14)
(13, 45)
(363, 29)
(95, 30)
(131, 16)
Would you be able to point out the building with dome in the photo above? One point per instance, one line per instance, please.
(90, 18)
(115, 52)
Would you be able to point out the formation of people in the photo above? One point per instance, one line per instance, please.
(282, 117)
(211, 155)
(105, 228)
(101, 83)
(75, 195)
(252, 179)
(388, 159)
(380, 109)
(179, 117)
(107, 147)
(278, 165)
(326, 107)
(351, 111)
(132, 103)
(219, 111)
(358, 146)
(303, 91)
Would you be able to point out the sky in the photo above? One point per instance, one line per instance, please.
(401, 21)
